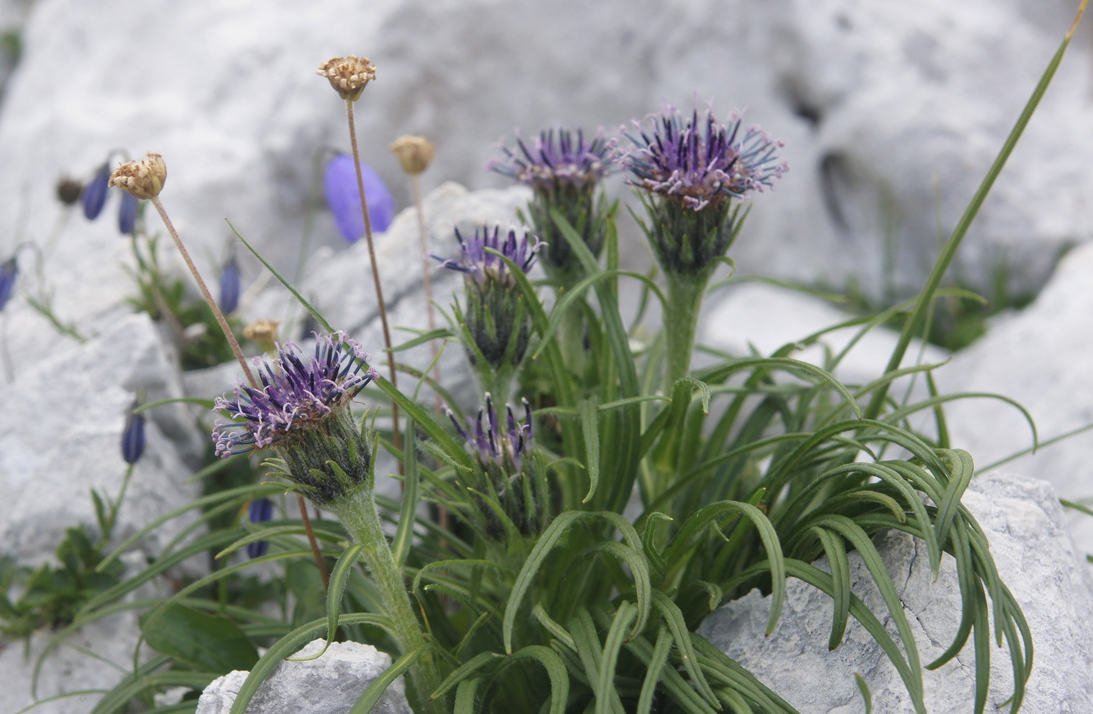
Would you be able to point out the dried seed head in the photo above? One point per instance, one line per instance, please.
(263, 333)
(69, 190)
(144, 178)
(415, 153)
(348, 75)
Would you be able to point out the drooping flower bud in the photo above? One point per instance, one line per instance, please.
(348, 75)
(9, 271)
(231, 285)
(414, 153)
(263, 333)
(144, 178)
(260, 511)
(344, 198)
(132, 437)
(128, 211)
(93, 197)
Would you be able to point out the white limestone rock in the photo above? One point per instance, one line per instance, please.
(891, 113)
(1036, 559)
(63, 422)
(330, 684)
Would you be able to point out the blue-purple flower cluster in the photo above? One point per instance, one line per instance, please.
(699, 161)
(296, 396)
(483, 267)
(554, 161)
(503, 446)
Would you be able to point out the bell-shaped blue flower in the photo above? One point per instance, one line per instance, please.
(340, 186)
(9, 271)
(127, 213)
(94, 193)
(132, 437)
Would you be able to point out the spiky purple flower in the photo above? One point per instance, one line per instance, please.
(494, 443)
(344, 199)
(486, 268)
(556, 160)
(296, 396)
(9, 271)
(701, 161)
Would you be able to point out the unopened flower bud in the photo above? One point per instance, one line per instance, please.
(415, 153)
(231, 285)
(9, 271)
(127, 213)
(260, 511)
(348, 75)
(144, 178)
(132, 438)
(93, 197)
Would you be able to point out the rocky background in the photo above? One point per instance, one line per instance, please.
(891, 114)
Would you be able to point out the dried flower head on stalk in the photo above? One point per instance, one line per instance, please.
(348, 75)
(144, 178)
(414, 153)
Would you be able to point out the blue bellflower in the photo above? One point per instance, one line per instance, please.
(9, 271)
(302, 411)
(340, 187)
(132, 437)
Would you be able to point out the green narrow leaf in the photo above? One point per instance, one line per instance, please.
(653, 671)
(379, 685)
(840, 580)
(610, 656)
(589, 423)
(400, 545)
(866, 695)
(339, 576)
(559, 677)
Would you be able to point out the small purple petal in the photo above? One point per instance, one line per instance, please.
(340, 186)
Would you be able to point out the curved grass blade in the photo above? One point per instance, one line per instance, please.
(379, 685)
(556, 670)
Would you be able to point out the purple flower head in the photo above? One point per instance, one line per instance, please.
(698, 161)
(260, 511)
(128, 210)
(340, 187)
(558, 160)
(9, 271)
(132, 437)
(484, 268)
(93, 197)
(494, 443)
(296, 396)
(231, 285)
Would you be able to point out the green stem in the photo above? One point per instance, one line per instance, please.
(680, 322)
(357, 512)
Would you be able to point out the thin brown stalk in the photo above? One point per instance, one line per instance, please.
(396, 434)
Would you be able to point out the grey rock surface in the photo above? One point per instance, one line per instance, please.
(329, 684)
(1036, 559)
(1038, 357)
